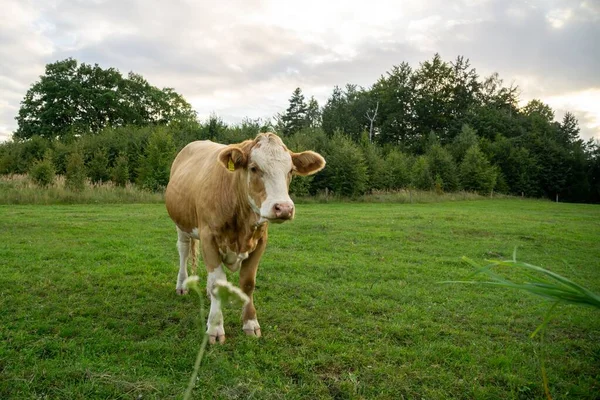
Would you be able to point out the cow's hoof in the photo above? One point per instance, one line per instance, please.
(252, 332)
(212, 339)
(251, 328)
(182, 291)
(216, 333)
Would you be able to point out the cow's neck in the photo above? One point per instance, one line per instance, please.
(240, 227)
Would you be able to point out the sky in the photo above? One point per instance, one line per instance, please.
(244, 58)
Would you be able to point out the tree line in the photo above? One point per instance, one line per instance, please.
(438, 127)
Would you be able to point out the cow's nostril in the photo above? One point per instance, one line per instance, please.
(283, 210)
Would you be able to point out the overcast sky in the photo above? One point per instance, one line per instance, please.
(245, 57)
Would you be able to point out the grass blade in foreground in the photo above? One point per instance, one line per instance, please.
(540, 282)
(226, 292)
(192, 283)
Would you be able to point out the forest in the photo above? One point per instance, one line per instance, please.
(438, 127)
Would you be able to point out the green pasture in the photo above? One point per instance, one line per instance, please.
(347, 296)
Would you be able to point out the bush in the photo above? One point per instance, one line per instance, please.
(397, 166)
(120, 172)
(443, 168)
(376, 167)
(32, 150)
(9, 157)
(476, 173)
(156, 163)
(307, 139)
(346, 172)
(98, 167)
(60, 156)
(420, 174)
(463, 142)
(42, 172)
(300, 185)
(75, 174)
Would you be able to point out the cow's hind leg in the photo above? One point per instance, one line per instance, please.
(184, 243)
(194, 255)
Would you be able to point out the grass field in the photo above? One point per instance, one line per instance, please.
(347, 297)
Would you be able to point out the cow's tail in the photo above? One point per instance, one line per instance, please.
(193, 255)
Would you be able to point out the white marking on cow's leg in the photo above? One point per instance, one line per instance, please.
(251, 327)
(247, 284)
(214, 325)
(183, 245)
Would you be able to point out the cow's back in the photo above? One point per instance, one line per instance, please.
(195, 179)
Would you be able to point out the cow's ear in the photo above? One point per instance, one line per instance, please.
(232, 158)
(307, 163)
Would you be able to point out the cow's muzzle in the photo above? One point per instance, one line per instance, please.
(283, 211)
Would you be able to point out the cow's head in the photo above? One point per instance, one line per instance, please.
(267, 167)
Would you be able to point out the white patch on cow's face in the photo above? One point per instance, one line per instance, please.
(269, 173)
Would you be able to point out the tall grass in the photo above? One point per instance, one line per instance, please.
(225, 292)
(19, 189)
(420, 196)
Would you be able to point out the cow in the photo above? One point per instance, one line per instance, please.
(225, 197)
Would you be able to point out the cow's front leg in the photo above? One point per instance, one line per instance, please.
(247, 283)
(249, 320)
(214, 325)
(214, 268)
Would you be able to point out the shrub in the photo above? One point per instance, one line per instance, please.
(75, 174)
(397, 167)
(300, 185)
(156, 163)
(29, 152)
(60, 156)
(443, 168)
(120, 172)
(346, 173)
(476, 173)
(376, 167)
(308, 139)
(9, 157)
(421, 175)
(463, 141)
(98, 167)
(42, 172)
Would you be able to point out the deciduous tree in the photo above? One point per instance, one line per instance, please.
(73, 99)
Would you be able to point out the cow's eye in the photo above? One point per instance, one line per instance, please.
(253, 170)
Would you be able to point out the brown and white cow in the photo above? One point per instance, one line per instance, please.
(225, 196)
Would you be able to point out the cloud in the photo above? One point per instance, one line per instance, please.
(585, 103)
(244, 58)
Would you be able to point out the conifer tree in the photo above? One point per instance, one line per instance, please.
(295, 117)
